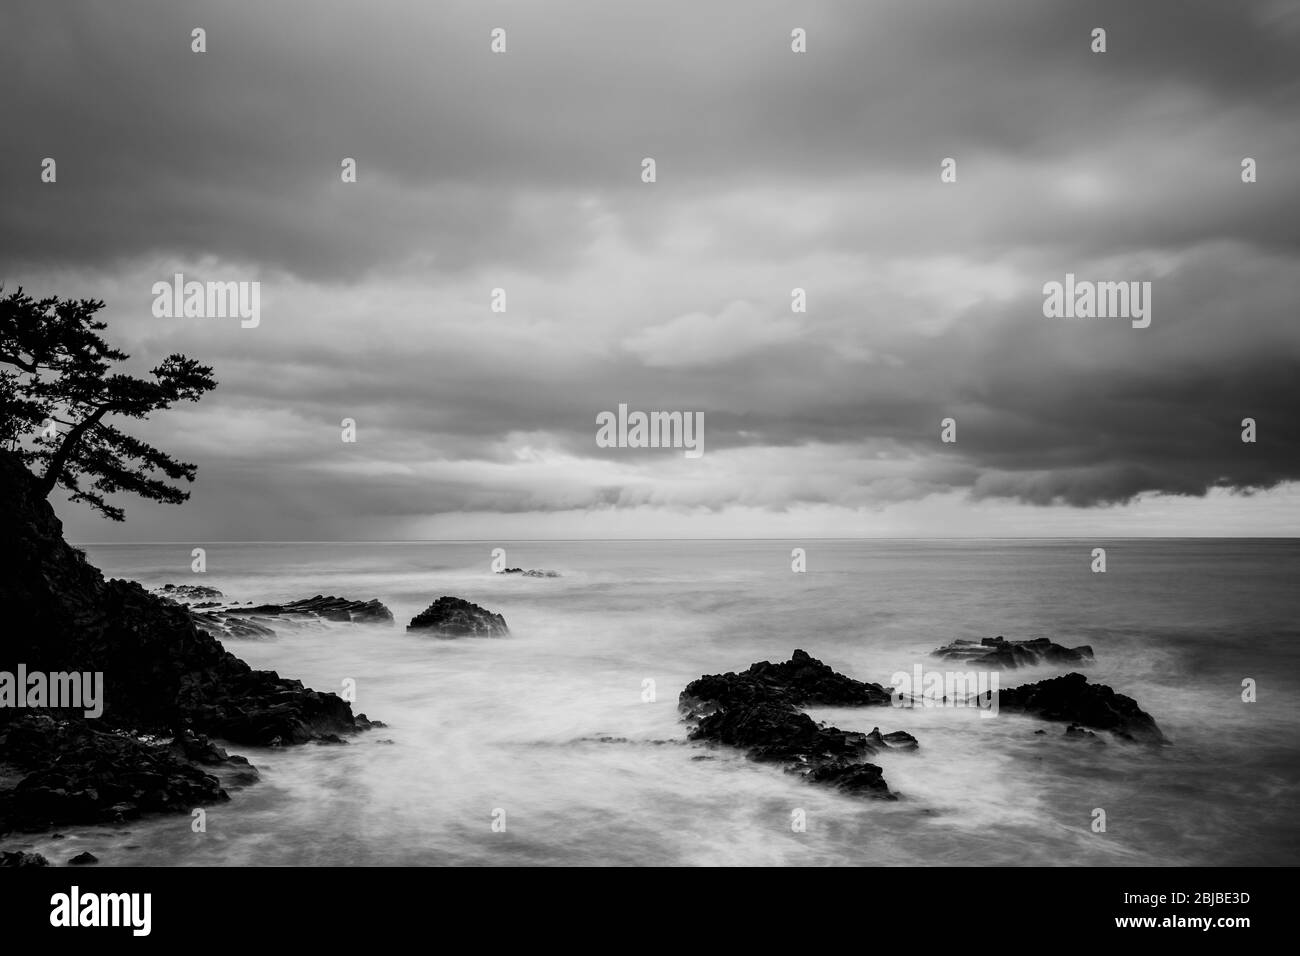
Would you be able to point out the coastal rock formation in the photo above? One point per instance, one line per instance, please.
(23, 859)
(186, 593)
(530, 573)
(998, 652)
(70, 772)
(1072, 699)
(162, 675)
(246, 620)
(226, 626)
(802, 681)
(453, 617)
(758, 711)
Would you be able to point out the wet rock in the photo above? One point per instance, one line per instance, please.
(758, 711)
(1075, 732)
(255, 621)
(189, 592)
(23, 859)
(1072, 699)
(530, 573)
(165, 678)
(799, 682)
(999, 653)
(453, 617)
(863, 779)
(71, 773)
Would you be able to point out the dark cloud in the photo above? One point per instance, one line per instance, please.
(775, 170)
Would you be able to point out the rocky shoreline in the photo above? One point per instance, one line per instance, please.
(169, 686)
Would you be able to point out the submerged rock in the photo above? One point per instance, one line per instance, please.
(530, 573)
(998, 652)
(329, 608)
(453, 617)
(1071, 698)
(758, 711)
(246, 620)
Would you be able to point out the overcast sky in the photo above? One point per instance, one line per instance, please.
(775, 170)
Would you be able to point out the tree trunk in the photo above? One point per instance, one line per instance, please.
(50, 479)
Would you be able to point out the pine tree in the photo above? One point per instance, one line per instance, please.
(59, 391)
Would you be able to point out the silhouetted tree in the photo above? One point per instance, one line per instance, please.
(59, 391)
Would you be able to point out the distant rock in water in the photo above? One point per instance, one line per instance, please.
(758, 711)
(453, 617)
(246, 620)
(189, 592)
(531, 573)
(998, 652)
(81, 859)
(23, 859)
(1071, 698)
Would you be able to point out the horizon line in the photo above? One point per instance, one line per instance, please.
(1140, 537)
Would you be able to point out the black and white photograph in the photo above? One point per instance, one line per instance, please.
(722, 434)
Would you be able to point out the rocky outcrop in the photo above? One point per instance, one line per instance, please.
(224, 625)
(23, 859)
(247, 620)
(758, 711)
(998, 652)
(162, 675)
(1072, 699)
(453, 617)
(70, 773)
(531, 573)
(186, 593)
(802, 681)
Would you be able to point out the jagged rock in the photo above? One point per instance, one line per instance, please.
(23, 859)
(1071, 698)
(801, 681)
(998, 652)
(530, 573)
(865, 779)
(70, 773)
(247, 621)
(758, 711)
(453, 617)
(1075, 732)
(163, 676)
(221, 625)
(189, 592)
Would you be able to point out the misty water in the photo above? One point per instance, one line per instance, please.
(550, 724)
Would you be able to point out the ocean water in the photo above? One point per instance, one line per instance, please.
(548, 729)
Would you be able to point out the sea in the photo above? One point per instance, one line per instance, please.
(562, 744)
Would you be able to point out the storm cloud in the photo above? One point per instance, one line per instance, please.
(775, 171)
